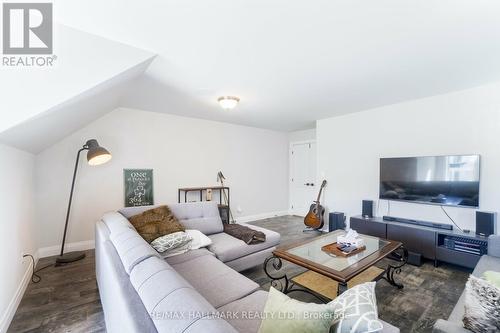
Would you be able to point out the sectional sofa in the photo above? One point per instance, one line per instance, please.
(198, 291)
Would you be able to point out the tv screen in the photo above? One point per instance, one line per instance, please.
(440, 180)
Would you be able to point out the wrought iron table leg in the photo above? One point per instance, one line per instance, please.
(342, 287)
(396, 269)
(278, 281)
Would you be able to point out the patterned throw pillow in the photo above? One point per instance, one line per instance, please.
(357, 310)
(171, 241)
(156, 222)
(482, 304)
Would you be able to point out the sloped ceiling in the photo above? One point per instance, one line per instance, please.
(42, 106)
(293, 62)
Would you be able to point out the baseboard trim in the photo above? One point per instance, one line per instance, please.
(77, 246)
(18, 296)
(250, 218)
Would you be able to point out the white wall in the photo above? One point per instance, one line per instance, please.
(16, 228)
(182, 151)
(466, 122)
(304, 135)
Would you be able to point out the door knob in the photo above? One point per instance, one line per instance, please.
(307, 184)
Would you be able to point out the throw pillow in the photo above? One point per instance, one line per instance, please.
(492, 277)
(176, 251)
(199, 239)
(284, 314)
(156, 222)
(357, 310)
(171, 241)
(482, 304)
(353, 311)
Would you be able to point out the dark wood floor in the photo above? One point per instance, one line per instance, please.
(67, 298)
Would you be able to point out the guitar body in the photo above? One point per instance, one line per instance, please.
(316, 217)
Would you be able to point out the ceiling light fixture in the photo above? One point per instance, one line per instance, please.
(228, 102)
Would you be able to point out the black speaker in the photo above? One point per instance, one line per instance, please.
(336, 221)
(414, 258)
(367, 209)
(486, 223)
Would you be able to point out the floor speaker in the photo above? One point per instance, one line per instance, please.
(486, 223)
(336, 221)
(367, 209)
(414, 259)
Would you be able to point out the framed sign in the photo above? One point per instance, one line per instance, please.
(138, 187)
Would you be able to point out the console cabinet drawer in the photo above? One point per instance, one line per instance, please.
(369, 227)
(414, 239)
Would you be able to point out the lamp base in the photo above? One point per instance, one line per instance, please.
(69, 257)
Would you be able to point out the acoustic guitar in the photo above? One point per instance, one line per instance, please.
(315, 218)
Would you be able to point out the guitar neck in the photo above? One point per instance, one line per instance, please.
(319, 195)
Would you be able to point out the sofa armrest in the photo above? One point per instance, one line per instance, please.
(494, 245)
(444, 326)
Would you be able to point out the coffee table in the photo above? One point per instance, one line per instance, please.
(308, 254)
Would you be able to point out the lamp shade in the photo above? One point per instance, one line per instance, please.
(96, 154)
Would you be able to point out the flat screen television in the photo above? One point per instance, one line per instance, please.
(441, 180)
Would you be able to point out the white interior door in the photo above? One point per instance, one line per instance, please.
(303, 177)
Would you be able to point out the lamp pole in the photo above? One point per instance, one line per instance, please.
(71, 198)
(96, 155)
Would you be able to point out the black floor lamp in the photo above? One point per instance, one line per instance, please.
(96, 155)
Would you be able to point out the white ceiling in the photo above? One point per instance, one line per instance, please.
(293, 62)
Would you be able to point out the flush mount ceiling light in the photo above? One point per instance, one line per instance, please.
(228, 102)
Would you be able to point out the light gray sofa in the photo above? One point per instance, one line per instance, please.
(192, 292)
(489, 262)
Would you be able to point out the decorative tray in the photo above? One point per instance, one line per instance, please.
(333, 249)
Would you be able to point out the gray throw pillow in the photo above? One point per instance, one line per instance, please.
(171, 241)
(357, 310)
(482, 306)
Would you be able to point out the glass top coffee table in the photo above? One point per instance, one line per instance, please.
(309, 254)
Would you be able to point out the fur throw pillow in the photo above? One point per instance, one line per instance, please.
(482, 306)
(154, 223)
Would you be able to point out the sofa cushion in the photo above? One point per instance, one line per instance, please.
(156, 222)
(203, 216)
(215, 281)
(486, 263)
(188, 256)
(228, 248)
(174, 305)
(245, 312)
(388, 328)
(131, 248)
(444, 326)
(116, 222)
